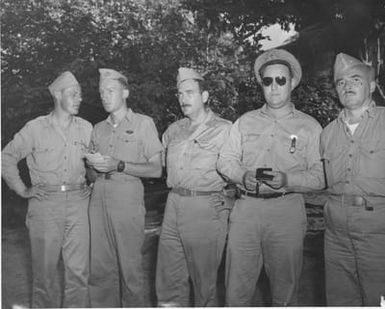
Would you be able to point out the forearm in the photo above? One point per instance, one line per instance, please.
(10, 173)
(232, 170)
(150, 169)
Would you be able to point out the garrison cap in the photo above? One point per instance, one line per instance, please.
(346, 64)
(185, 74)
(63, 81)
(111, 74)
(278, 56)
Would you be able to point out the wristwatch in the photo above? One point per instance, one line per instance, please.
(121, 166)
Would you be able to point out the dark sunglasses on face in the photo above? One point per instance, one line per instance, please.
(280, 80)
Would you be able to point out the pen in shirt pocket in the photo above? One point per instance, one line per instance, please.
(293, 143)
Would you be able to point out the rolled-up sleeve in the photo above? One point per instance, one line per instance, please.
(229, 163)
(151, 142)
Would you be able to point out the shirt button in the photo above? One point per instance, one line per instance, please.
(65, 169)
(349, 169)
(350, 155)
(271, 135)
(110, 145)
(65, 157)
(268, 150)
(352, 142)
(347, 181)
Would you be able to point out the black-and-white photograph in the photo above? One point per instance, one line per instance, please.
(192, 153)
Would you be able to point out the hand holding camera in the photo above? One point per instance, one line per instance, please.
(274, 179)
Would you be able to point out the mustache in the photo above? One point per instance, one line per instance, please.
(185, 105)
(349, 91)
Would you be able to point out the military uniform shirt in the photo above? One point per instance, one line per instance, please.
(52, 157)
(355, 164)
(259, 141)
(134, 140)
(191, 160)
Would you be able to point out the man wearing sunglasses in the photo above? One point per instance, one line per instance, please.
(194, 227)
(272, 153)
(353, 151)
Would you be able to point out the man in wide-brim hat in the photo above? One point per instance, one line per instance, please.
(272, 153)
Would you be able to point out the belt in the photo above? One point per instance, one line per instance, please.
(119, 177)
(188, 192)
(265, 195)
(64, 188)
(105, 175)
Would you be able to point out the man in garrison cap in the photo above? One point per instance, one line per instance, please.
(58, 199)
(272, 153)
(128, 148)
(353, 151)
(194, 227)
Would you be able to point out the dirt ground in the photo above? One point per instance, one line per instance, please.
(16, 271)
(16, 263)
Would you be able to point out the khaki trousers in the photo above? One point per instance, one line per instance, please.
(354, 253)
(266, 233)
(191, 245)
(58, 227)
(117, 234)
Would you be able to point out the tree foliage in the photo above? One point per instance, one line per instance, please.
(148, 40)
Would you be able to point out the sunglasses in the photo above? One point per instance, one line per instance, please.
(280, 80)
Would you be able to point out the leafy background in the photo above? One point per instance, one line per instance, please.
(148, 40)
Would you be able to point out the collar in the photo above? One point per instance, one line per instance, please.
(292, 110)
(49, 120)
(128, 116)
(209, 117)
(370, 111)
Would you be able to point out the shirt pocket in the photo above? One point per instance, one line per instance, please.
(250, 143)
(293, 153)
(80, 148)
(128, 148)
(373, 158)
(205, 153)
(45, 158)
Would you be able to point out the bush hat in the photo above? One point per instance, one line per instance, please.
(185, 74)
(63, 81)
(278, 56)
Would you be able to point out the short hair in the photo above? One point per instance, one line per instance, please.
(202, 85)
(123, 82)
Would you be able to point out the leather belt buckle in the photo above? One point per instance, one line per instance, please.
(63, 188)
(107, 176)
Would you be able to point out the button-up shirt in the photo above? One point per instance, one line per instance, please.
(134, 140)
(258, 140)
(191, 158)
(355, 164)
(53, 157)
